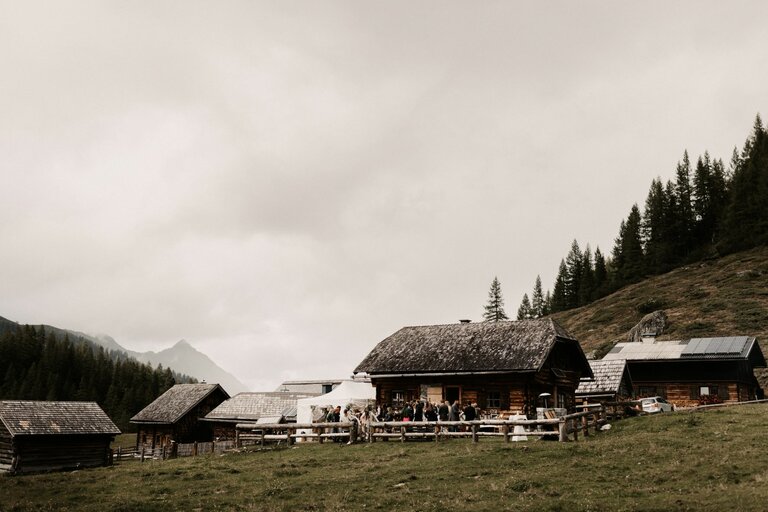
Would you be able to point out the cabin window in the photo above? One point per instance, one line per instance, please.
(327, 388)
(493, 400)
(398, 397)
(144, 439)
(644, 391)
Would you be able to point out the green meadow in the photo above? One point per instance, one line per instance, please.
(706, 460)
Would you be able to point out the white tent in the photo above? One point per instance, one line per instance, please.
(357, 393)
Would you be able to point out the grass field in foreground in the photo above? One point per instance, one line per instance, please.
(708, 460)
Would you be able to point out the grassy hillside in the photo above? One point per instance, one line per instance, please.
(723, 297)
(704, 461)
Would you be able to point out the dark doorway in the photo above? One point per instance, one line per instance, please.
(452, 393)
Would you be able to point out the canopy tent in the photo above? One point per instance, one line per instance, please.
(349, 392)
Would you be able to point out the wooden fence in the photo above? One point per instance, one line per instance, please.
(173, 451)
(563, 428)
(566, 428)
(254, 433)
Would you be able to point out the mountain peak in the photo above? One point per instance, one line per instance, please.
(183, 344)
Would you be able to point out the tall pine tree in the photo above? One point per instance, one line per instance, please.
(494, 310)
(524, 311)
(537, 299)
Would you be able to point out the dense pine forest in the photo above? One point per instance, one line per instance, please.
(38, 364)
(707, 211)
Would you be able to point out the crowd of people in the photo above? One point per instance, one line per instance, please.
(415, 411)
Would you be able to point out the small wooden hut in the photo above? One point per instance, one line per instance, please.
(501, 366)
(250, 407)
(48, 436)
(611, 382)
(695, 371)
(174, 417)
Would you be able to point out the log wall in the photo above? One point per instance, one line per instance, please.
(57, 452)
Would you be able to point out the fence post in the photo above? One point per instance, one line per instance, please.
(474, 433)
(194, 449)
(437, 432)
(505, 432)
(562, 430)
(291, 439)
(142, 454)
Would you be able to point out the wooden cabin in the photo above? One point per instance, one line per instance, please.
(612, 382)
(174, 417)
(501, 366)
(276, 406)
(693, 372)
(50, 436)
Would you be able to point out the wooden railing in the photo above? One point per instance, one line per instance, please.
(253, 433)
(171, 451)
(563, 428)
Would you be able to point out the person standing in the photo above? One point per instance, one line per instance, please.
(443, 411)
(418, 413)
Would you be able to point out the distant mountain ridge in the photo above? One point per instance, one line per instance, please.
(182, 357)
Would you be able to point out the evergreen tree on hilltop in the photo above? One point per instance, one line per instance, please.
(524, 311)
(684, 218)
(586, 278)
(654, 228)
(494, 310)
(601, 274)
(559, 301)
(710, 196)
(628, 251)
(573, 263)
(746, 221)
(537, 300)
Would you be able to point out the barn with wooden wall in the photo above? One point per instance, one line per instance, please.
(501, 366)
(48, 436)
(695, 371)
(174, 417)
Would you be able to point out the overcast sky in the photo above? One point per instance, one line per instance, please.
(284, 184)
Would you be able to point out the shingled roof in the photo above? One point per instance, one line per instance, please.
(607, 378)
(26, 417)
(172, 405)
(723, 348)
(252, 406)
(518, 346)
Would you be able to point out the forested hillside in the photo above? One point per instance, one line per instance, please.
(707, 211)
(723, 297)
(38, 364)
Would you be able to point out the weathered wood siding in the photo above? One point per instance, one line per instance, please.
(6, 449)
(50, 453)
(685, 394)
(186, 430)
(224, 431)
(514, 393)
